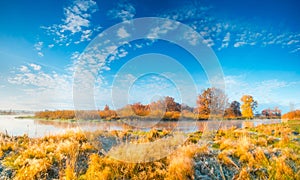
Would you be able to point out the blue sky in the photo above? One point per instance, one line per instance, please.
(257, 44)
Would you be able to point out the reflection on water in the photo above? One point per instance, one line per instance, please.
(38, 128)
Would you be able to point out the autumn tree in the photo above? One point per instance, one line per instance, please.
(233, 111)
(235, 106)
(277, 112)
(203, 103)
(292, 115)
(211, 103)
(271, 113)
(248, 106)
(171, 105)
(140, 109)
(158, 108)
(165, 108)
(108, 114)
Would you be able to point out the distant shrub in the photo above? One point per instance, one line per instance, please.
(71, 114)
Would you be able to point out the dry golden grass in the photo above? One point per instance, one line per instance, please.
(32, 159)
(106, 168)
(147, 151)
(264, 152)
(243, 175)
(225, 159)
(268, 152)
(96, 169)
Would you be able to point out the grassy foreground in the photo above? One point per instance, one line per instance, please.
(264, 152)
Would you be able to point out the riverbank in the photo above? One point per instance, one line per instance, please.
(262, 152)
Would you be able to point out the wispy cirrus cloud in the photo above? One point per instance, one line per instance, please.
(42, 89)
(220, 33)
(164, 28)
(265, 92)
(33, 74)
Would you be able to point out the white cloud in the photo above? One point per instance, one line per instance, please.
(38, 47)
(122, 33)
(76, 25)
(75, 55)
(163, 29)
(292, 42)
(23, 69)
(32, 74)
(192, 37)
(296, 50)
(273, 84)
(223, 33)
(209, 42)
(124, 11)
(73, 22)
(239, 44)
(93, 62)
(265, 92)
(42, 90)
(36, 67)
(40, 54)
(225, 41)
(190, 11)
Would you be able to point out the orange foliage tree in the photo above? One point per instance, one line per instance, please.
(211, 103)
(82, 114)
(248, 106)
(140, 109)
(292, 115)
(271, 113)
(59, 114)
(233, 111)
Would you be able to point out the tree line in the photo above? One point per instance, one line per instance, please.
(106, 113)
(293, 115)
(212, 103)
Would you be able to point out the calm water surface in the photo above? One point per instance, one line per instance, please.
(38, 128)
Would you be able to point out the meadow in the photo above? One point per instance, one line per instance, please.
(262, 152)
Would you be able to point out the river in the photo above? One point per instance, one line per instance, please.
(38, 128)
